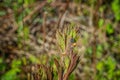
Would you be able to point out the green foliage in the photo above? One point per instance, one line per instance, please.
(99, 50)
(28, 2)
(20, 1)
(102, 8)
(68, 36)
(61, 41)
(77, 1)
(16, 63)
(33, 59)
(72, 77)
(1, 60)
(2, 13)
(7, 3)
(26, 33)
(100, 66)
(2, 65)
(12, 73)
(89, 51)
(72, 32)
(100, 22)
(49, 1)
(116, 9)
(109, 28)
(108, 66)
(67, 60)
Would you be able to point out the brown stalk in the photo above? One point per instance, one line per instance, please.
(72, 65)
(60, 70)
(44, 26)
(62, 75)
(63, 15)
(95, 24)
(48, 71)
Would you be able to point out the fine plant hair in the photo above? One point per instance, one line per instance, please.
(66, 41)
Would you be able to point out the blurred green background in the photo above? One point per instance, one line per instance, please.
(28, 37)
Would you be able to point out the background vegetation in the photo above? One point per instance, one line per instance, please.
(35, 35)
